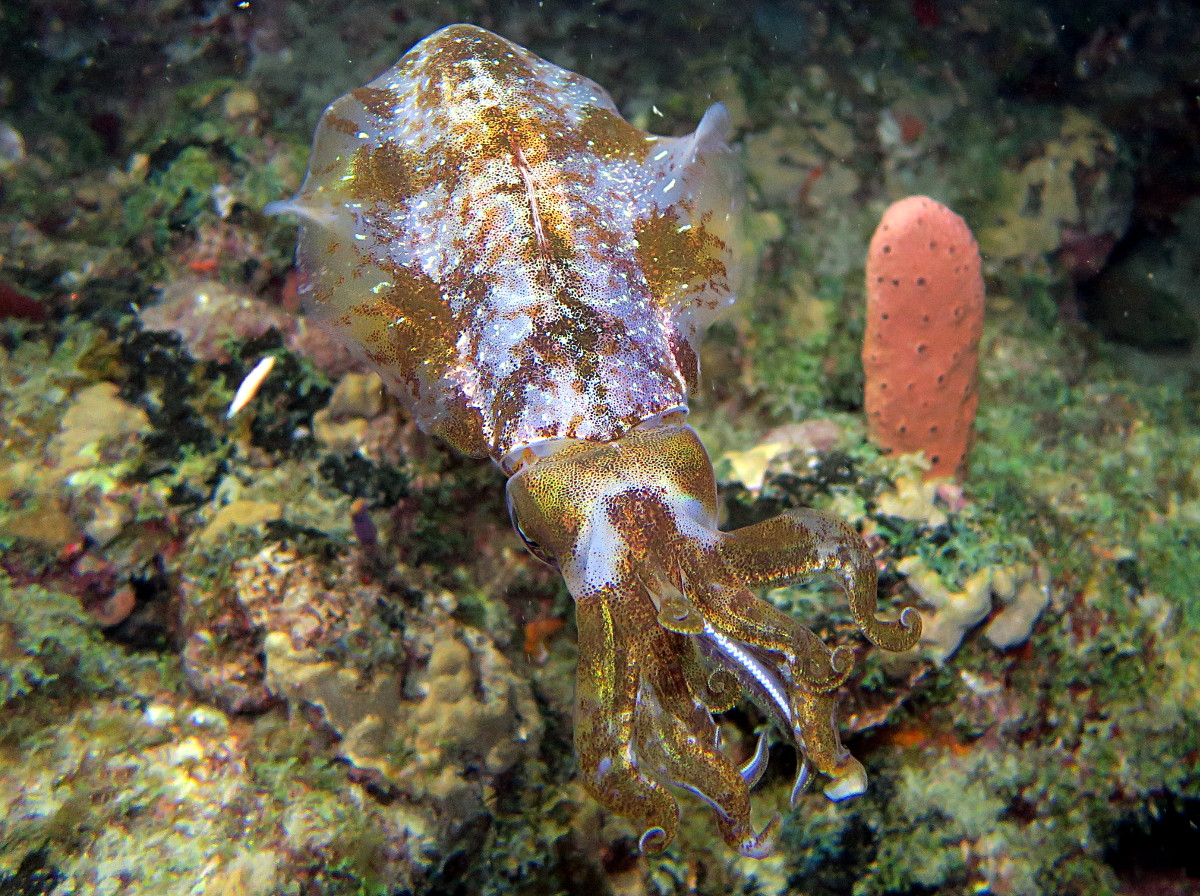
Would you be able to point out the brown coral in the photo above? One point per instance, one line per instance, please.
(435, 713)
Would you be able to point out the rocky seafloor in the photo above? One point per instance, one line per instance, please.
(300, 651)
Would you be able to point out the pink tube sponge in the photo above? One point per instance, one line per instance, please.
(921, 346)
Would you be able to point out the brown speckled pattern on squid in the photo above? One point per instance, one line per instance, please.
(519, 262)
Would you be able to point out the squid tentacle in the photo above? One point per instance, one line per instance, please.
(717, 687)
(706, 593)
(738, 614)
(669, 632)
(802, 542)
(816, 716)
(605, 714)
(685, 752)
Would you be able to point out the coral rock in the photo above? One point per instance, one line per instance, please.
(954, 613)
(1025, 593)
(98, 427)
(924, 321)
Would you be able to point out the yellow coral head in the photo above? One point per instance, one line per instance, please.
(669, 633)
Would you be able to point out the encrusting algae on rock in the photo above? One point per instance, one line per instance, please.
(531, 275)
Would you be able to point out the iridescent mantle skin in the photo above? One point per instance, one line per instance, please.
(531, 275)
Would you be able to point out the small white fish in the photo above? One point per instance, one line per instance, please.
(250, 385)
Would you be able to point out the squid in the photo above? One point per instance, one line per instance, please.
(531, 275)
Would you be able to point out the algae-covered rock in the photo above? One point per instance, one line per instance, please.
(241, 514)
(50, 645)
(97, 426)
(1126, 303)
(476, 721)
(1079, 180)
(476, 709)
(365, 709)
(434, 711)
(1024, 593)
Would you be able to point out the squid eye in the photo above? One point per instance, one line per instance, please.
(537, 550)
(532, 546)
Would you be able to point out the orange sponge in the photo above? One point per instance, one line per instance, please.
(924, 320)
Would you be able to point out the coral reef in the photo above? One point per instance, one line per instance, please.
(348, 558)
(434, 711)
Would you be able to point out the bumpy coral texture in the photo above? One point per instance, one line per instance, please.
(530, 274)
(924, 320)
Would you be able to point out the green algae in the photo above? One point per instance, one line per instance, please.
(50, 647)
